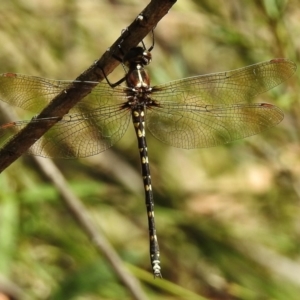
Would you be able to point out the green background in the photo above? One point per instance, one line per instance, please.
(228, 218)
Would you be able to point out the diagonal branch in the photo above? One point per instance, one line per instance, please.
(69, 97)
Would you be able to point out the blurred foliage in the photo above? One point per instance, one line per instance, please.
(227, 217)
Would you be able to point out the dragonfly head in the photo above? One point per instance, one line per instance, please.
(137, 55)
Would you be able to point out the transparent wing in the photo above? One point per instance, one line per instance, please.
(225, 88)
(197, 127)
(34, 93)
(213, 109)
(76, 135)
(93, 125)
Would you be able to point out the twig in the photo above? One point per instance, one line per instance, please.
(63, 102)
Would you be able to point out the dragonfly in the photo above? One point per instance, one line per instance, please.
(194, 112)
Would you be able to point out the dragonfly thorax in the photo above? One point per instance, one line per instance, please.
(138, 78)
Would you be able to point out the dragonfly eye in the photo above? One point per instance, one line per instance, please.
(147, 57)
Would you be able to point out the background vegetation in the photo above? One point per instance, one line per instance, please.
(227, 217)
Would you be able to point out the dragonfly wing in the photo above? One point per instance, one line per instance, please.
(29, 92)
(225, 88)
(34, 93)
(93, 125)
(214, 109)
(188, 126)
(76, 135)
